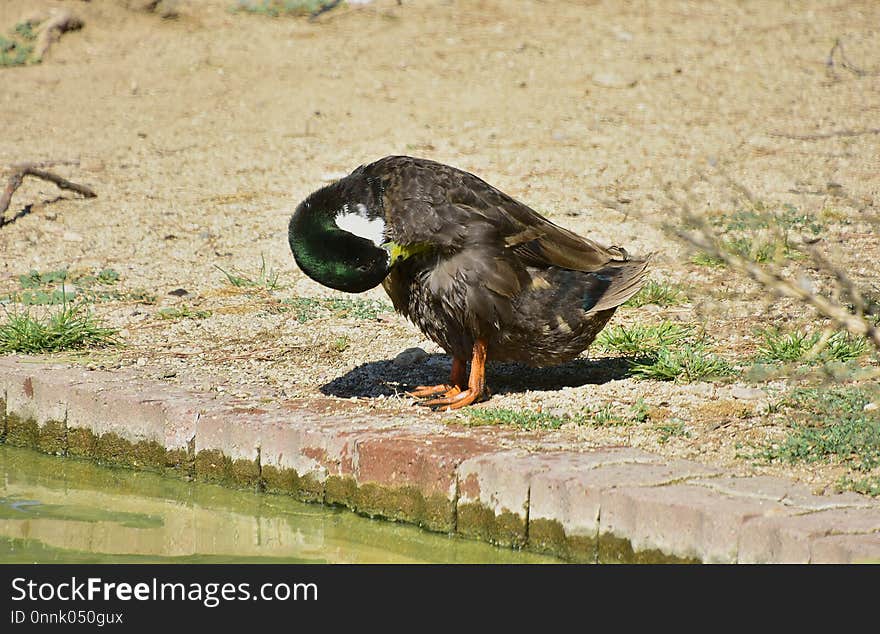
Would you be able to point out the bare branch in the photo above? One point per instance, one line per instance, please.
(843, 280)
(774, 281)
(825, 135)
(49, 26)
(324, 8)
(845, 63)
(30, 169)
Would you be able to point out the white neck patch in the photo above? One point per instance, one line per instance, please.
(357, 223)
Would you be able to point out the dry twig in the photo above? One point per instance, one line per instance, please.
(825, 135)
(324, 8)
(21, 170)
(854, 323)
(844, 282)
(837, 50)
(48, 28)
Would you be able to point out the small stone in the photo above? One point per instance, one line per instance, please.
(747, 393)
(705, 390)
(142, 361)
(621, 35)
(871, 407)
(71, 236)
(410, 356)
(612, 80)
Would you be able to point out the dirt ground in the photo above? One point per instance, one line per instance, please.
(201, 134)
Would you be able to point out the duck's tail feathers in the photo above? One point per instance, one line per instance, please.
(626, 280)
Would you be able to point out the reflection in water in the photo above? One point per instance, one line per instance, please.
(64, 510)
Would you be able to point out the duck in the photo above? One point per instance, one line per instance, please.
(484, 276)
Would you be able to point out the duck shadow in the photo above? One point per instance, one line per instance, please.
(385, 378)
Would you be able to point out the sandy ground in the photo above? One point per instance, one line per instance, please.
(202, 133)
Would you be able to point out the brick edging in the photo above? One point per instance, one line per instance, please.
(612, 504)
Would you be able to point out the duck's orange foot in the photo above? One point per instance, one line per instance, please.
(476, 385)
(423, 391)
(457, 382)
(456, 400)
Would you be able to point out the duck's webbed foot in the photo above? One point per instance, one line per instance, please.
(476, 386)
(461, 399)
(422, 391)
(457, 382)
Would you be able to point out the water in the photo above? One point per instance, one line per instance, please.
(66, 511)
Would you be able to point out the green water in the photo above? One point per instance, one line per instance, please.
(65, 511)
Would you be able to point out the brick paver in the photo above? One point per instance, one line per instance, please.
(606, 504)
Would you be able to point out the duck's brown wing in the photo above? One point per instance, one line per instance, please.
(428, 202)
(623, 281)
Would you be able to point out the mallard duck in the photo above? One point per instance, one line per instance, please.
(481, 274)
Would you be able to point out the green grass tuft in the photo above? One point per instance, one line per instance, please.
(275, 8)
(356, 308)
(705, 259)
(58, 287)
(788, 218)
(516, 418)
(107, 276)
(804, 346)
(17, 48)
(843, 346)
(266, 278)
(304, 308)
(35, 279)
(608, 414)
(791, 346)
(341, 344)
(643, 339)
(830, 423)
(760, 248)
(605, 415)
(660, 293)
(869, 485)
(73, 327)
(664, 352)
(25, 30)
(760, 233)
(183, 312)
(673, 427)
(691, 362)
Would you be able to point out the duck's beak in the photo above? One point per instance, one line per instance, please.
(398, 253)
(394, 254)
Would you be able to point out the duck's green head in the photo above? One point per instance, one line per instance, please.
(337, 236)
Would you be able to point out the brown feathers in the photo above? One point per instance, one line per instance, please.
(496, 270)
